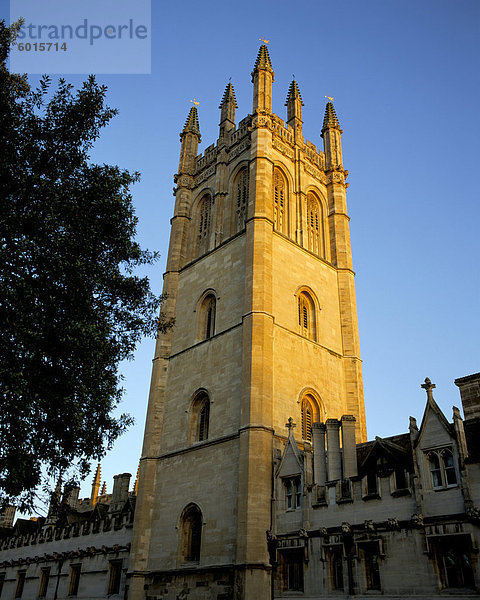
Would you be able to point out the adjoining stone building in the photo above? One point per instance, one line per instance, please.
(397, 516)
(80, 549)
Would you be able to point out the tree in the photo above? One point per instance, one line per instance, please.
(71, 305)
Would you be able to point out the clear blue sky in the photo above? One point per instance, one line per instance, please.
(404, 75)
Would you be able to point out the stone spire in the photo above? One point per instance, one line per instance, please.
(293, 93)
(229, 96)
(95, 485)
(330, 121)
(332, 142)
(104, 489)
(263, 59)
(227, 107)
(190, 138)
(262, 79)
(191, 124)
(294, 105)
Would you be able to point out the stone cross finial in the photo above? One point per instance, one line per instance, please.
(290, 425)
(429, 387)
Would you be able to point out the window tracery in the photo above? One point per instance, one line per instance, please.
(203, 231)
(241, 198)
(306, 316)
(279, 202)
(314, 225)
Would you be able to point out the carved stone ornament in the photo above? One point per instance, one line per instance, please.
(417, 520)
(261, 121)
(282, 148)
(204, 175)
(311, 170)
(346, 528)
(271, 537)
(237, 150)
(323, 532)
(303, 533)
(335, 177)
(393, 524)
(369, 526)
(473, 514)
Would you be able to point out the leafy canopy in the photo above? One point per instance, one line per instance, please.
(71, 306)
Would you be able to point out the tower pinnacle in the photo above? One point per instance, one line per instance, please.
(227, 107)
(330, 121)
(294, 105)
(190, 138)
(293, 93)
(229, 96)
(262, 79)
(263, 60)
(96, 485)
(191, 124)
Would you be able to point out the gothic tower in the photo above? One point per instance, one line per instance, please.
(259, 280)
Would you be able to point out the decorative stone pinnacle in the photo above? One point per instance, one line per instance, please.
(263, 59)
(290, 424)
(229, 96)
(428, 386)
(97, 476)
(293, 93)
(191, 124)
(330, 121)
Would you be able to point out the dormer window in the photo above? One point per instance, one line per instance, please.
(442, 468)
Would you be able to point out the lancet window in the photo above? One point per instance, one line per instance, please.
(279, 202)
(241, 198)
(314, 225)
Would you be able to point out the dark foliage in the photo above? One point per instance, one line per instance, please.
(71, 307)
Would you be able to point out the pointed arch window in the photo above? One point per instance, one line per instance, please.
(241, 199)
(203, 224)
(307, 419)
(279, 201)
(200, 418)
(306, 316)
(314, 225)
(191, 541)
(206, 317)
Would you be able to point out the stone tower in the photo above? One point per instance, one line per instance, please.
(259, 280)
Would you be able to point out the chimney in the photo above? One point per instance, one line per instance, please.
(121, 485)
(349, 446)
(470, 394)
(333, 450)
(319, 459)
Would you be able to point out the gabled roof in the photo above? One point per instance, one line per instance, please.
(291, 462)
(396, 449)
(432, 408)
